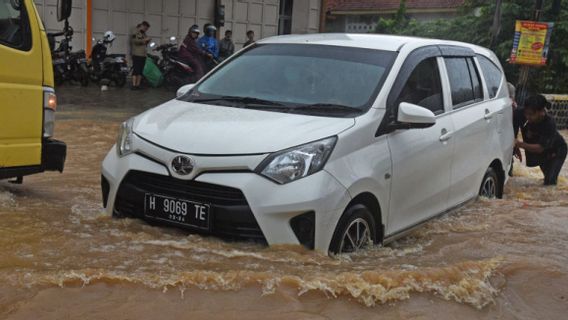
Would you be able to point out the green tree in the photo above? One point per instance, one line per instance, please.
(473, 23)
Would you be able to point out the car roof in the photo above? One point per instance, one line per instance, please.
(369, 41)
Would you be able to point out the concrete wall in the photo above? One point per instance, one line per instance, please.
(48, 11)
(174, 17)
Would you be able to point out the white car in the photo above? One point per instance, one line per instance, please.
(332, 141)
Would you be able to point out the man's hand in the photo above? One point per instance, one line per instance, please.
(210, 56)
(518, 154)
(518, 144)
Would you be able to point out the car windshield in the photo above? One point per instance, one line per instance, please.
(303, 78)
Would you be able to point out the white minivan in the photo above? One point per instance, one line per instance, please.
(332, 141)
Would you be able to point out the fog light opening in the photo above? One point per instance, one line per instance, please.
(304, 227)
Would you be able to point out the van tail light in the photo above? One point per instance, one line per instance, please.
(49, 107)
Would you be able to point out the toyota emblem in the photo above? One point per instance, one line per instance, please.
(182, 165)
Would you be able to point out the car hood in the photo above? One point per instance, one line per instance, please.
(216, 130)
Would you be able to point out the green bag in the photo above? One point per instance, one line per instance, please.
(152, 73)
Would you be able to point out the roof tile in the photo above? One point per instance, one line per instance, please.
(362, 5)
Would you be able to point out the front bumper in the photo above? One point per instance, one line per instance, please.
(252, 206)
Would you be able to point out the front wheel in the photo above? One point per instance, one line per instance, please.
(120, 80)
(84, 76)
(490, 185)
(355, 231)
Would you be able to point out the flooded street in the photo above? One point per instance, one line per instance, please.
(61, 257)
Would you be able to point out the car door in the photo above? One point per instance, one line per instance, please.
(474, 124)
(421, 158)
(21, 91)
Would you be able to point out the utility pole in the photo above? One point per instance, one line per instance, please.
(525, 70)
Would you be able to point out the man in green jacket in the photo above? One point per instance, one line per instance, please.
(138, 43)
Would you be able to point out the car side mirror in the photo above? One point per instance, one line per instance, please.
(413, 116)
(63, 9)
(185, 89)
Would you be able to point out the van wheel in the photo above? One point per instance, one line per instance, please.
(355, 231)
(490, 185)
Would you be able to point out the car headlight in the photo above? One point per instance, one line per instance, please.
(298, 162)
(125, 136)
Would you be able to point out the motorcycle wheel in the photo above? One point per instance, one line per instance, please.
(84, 78)
(120, 80)
(171, 81)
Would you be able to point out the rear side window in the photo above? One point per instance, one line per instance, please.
(464, 81)
(475, 80)
(424, 87)
(492, 75)
(14, 25)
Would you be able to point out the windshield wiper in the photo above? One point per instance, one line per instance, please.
(244, 100)
(326, 107)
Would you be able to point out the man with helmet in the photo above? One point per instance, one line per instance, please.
(209, 43)
(191, 52)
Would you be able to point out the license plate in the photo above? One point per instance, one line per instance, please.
(180, 211)
(124, 69)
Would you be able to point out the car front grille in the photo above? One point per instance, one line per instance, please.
(231, 215)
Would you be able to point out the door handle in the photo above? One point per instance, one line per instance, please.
(488, 115)
(446, 135)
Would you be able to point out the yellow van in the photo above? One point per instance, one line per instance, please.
(27, 98)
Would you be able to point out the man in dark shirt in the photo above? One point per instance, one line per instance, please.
(543, 144)
(226, 46)
(250, 38)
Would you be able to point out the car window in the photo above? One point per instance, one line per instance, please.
(492, 75)
(424, 87)
(461, 84)
(14, 24)
(475, 80)
(297, 75)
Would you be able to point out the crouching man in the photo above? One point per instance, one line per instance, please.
(543, 144)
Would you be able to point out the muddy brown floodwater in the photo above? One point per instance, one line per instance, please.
(61, 257)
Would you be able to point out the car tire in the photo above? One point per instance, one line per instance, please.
(491, 186)
(355, 231)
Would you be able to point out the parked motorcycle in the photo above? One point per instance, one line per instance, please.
(176, 72)
(67, 65)
(108, 68)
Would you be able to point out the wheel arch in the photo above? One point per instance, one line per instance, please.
(372, 203)
(498, 167)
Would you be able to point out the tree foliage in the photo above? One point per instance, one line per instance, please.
(473, 24)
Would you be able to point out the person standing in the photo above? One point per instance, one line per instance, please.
(250, 38)
(192, 53)
(138, 43)
(543, 144)
(226, 46)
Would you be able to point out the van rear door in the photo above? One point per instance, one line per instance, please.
(21, 79)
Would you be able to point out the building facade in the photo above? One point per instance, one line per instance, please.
(91, 18)
(362, 16)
